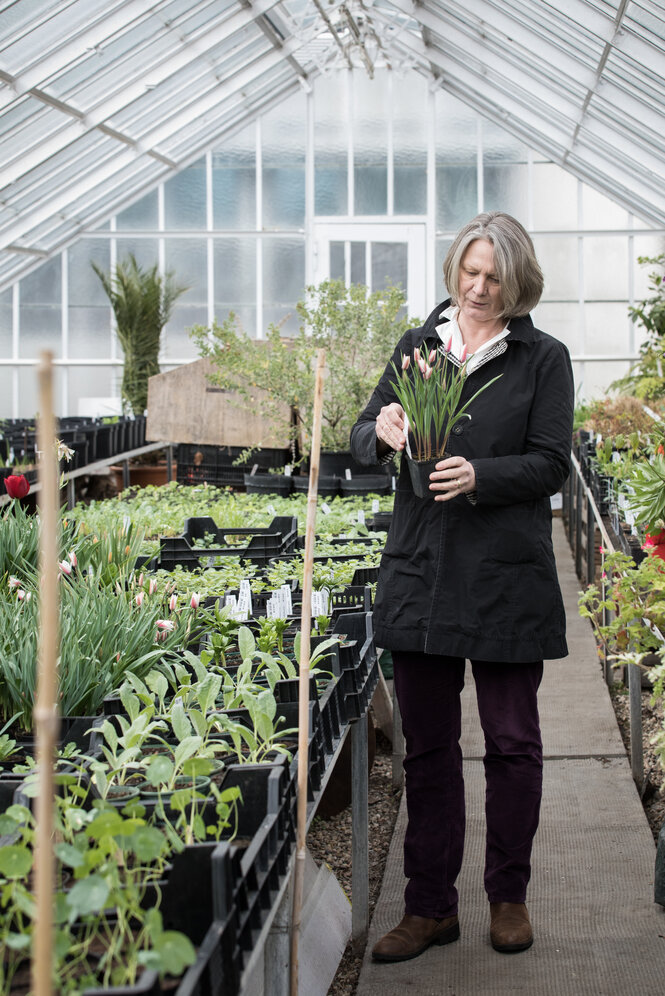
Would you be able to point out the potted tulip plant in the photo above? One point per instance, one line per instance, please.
(429, 390)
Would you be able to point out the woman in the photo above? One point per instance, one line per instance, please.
(470, 574)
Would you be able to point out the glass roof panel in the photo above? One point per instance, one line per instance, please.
(81, 83)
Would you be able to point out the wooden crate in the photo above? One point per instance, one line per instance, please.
(184, 407)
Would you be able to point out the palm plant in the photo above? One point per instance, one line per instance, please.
(142, 301)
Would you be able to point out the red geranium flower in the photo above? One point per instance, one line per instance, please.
(17, 485)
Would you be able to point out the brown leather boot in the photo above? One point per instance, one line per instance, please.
(510, 928)
(413, 936)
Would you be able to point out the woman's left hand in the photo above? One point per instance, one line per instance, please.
(452, 477)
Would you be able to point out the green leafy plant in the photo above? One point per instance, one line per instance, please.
(429, 390)
(142, 300)
(357, 329)
(646, 378)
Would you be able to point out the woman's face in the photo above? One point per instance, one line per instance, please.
(479, 289)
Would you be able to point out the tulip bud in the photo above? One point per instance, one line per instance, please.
(65, 567)
(140, 581)
(406, 362)
(139, 598)
(195, 599)
(173, 603)
(422, 364)
(427, 372)
(165, 624)
(449, 345)
(462, 355)
(17, 485)
(152, 587)
(432, 357)
(14, 582)
(72, 558)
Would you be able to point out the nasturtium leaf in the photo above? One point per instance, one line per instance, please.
(106, 822)
(175, 951)
(15, 861)
(69, 855)
(7, 825)
(147, 843)
(17, 942)
(87, 896)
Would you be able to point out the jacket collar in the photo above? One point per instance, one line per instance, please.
(521, 329)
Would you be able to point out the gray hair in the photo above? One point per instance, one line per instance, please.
(520, 276)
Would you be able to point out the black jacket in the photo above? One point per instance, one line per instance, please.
(479, 581)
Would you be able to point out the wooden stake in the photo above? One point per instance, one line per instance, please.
(45, 716)
(303, 687)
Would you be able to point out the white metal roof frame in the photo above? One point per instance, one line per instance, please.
(99, 103)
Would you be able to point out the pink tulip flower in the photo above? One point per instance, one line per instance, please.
(14, 582)
(462, 355)
(165, 624)
(195, 600)
(427, 372)
(139, 599)
(173, 603)
(432, 357)
(65, 567)
(72, 558)
(449, 345)
(406, 362)
(152, 587)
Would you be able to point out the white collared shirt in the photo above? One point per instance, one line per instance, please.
(450, 329)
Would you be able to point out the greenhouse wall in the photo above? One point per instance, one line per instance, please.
(367, 180)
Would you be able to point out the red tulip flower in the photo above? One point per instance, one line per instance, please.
(17, 485)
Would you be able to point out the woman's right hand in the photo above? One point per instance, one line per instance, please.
(390, 426)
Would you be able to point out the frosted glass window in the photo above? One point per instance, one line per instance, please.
(650, 246)
(599, 211)
(605, 267)
(176, 341)
(554, 197)
(28, 391)
(592, 379)
(6, 392)
(371, 112)
(235, 280)
(234, 182)
(187, 260)
(456, 130)
(558, 258)
(146, 251)
(410, 189)
(358, 263)
(284, 134)
(561, 320)
(441, 291)
(337, 261)
(607, 328)
(185, 198)
(6, 324)
(371, 189)
(283, 272)
(499, 146)
(456, 196)
(331, 136)
(389, 264)
(88, 382)
(40, 311)
(410, 110)
(140, 216)
(89, 311)
(284, 197)
(506, 189)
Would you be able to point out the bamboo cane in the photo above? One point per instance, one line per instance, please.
(45, 717)
(303, 687)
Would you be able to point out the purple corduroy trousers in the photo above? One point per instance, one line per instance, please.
(428, 688)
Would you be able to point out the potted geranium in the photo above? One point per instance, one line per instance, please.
(429, 390)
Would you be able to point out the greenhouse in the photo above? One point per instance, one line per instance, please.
(220, 221)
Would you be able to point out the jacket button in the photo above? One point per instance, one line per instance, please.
(457, 429)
